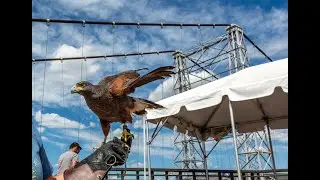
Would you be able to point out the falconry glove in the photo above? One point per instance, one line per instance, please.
(112, 153)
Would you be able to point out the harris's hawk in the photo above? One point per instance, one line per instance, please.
(109, 99)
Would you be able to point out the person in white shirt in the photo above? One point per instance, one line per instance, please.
(69, 159)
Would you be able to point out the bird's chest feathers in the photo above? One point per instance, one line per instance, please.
(107, 107)
(99, 105)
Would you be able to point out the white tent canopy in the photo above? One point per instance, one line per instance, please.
(257, 93)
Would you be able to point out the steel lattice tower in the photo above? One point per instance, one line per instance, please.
(253, 147)
(182, 83)
(238, 53)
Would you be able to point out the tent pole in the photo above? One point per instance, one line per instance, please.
(271, 150)
(205, 163)
(144, 150)
(234, 139)
(148, 145)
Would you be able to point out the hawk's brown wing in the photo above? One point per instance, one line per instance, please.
(119, 84)
(126, 82)
(116, 84)
(104, 82)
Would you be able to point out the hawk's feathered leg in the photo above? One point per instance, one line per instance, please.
(105, 125)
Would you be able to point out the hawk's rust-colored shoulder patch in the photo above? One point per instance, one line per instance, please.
(118, 86)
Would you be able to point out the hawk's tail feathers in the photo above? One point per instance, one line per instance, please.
(141, 104)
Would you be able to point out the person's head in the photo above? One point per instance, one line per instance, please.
(124, 126)
(75, 147)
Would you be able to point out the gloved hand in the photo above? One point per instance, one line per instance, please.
(113, 153)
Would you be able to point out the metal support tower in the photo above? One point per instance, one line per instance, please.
(182, 83)
(254, 151)
(238, 53)
(182, 80)
(248, 150)
(187, 152)
(253, 148)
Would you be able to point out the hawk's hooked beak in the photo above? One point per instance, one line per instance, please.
(75, 89)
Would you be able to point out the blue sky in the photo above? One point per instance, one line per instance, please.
(265, 22)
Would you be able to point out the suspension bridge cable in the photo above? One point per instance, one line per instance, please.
(44, 78)
(80, 97)
(112, 67)
(138, 149)
(127, 23)
(64, 119)
(162, 96)
(162, 151)
(113, 43)
(83, 29)
(181, 36)
(62, 81)
(138, 43)
(265, 55)
(104, 56)
(34, 80)
(200, 35)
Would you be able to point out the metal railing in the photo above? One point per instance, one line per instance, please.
(195, 174)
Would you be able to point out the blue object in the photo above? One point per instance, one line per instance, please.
(41, 167)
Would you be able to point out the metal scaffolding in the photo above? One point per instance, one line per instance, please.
(216, 58)
(184, 143)
(182, 80)
(254, 151)
(199, 64)
(186, 158)
(238, 59)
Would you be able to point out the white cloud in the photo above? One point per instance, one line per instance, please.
(58, 135)
(62, 146)
(85, 135)
(116, 133)
(44, 138)
(53, 120)
(41, 130)
(91, 124)
(59, 81)
(95, 8)
(280, 135)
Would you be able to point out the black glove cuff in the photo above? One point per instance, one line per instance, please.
(112, 153)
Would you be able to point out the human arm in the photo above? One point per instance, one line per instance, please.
(93, 167)
(74, 160)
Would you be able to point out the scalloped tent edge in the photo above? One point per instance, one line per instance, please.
(257, 93)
